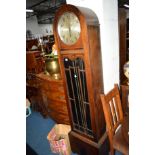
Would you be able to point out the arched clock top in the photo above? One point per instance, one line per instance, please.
(70, 25)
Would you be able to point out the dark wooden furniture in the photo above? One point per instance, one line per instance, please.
(124, 56)
(33, 93)
(123, 40)
(30, 43)
(34, 62)
(53, 95)
(114, 118)
(34, 65)
(124, 90)
(125, 128)
(81, 68)
(46, 95)
(48, 43)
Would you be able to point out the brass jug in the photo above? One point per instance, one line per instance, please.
(52, 67)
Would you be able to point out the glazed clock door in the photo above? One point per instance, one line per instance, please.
(78, 95)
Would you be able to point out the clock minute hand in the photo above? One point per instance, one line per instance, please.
(69, 31)
(69, 27)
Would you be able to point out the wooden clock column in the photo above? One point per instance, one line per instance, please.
(77, 36)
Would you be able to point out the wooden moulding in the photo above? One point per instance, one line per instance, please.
(85, 146)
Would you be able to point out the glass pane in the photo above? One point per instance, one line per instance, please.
(67, 63)
(77, 89)
(73, 106)
(69, 84)
(84, 86)
(88, 117)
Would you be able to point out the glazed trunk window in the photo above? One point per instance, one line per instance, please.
(78, 96)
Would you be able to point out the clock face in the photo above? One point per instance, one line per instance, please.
(69, 28)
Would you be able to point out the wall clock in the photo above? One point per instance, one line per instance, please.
(77, 36)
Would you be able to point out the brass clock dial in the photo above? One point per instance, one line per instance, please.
(69, 28)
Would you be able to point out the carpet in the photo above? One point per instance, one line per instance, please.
(37, 129)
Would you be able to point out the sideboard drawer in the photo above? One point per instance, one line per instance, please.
(58, 107)
(55, 96)
(59, 117)
(44, 85)
(51, 86)
(57, 86)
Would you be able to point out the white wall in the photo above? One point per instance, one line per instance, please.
(38, 29)
(46, 29)
(107, 12)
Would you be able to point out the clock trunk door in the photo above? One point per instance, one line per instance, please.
(78, 95)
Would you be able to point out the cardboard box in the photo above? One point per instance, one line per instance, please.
(59, 140)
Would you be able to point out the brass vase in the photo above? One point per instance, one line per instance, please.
(52, 67)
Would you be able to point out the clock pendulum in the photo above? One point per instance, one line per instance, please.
(77, 35)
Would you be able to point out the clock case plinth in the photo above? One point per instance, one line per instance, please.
(81, 69)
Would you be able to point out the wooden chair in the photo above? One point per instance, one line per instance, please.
(112, 108)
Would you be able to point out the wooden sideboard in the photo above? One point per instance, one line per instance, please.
(33, 93)
(34, 62)
(30, 43)
(46, 94)
(53, 95)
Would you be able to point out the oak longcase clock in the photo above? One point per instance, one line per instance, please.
(77, 36)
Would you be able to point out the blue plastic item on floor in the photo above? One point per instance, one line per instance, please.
(28, 111)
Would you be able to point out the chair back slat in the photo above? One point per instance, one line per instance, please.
(116, 109)
(109, 117)
(114, 119)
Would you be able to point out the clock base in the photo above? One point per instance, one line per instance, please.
(85, 146)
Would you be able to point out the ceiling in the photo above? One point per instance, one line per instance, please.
(45, 9)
